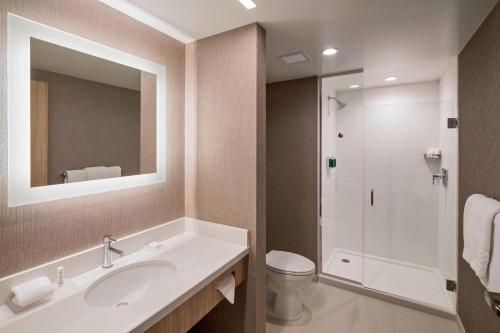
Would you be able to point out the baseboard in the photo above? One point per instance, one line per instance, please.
(388, 297)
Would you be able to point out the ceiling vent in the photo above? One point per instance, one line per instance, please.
(295, 58)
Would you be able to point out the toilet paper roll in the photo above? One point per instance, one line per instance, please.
(226, 287)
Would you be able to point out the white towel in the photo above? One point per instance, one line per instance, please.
(114, 171)
(479, 213)
(94, 173)
(492, 281)
(32, 291)
(72, 176)
(434, 151)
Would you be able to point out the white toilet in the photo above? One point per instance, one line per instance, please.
(287, 274)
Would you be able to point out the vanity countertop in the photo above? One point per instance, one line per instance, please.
(199, 253)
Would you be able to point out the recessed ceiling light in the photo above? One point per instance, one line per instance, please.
(330, 51)
(354, 86)
(391, 78)
(248, 4)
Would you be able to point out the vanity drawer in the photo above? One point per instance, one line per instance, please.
(195, 308)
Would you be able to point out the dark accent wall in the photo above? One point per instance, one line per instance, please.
(479, 161)
(91, 124)
(292, 166)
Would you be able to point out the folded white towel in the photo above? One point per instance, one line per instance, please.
(479, 213)
(492, 280)
(434, 151)
(72, 176)
(32, 291)
(94, 173)
(114, 171)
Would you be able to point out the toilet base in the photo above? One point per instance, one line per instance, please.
(286, 307)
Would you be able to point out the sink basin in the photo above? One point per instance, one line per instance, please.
(129, 284)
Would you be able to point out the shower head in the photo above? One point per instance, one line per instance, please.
(340, 104)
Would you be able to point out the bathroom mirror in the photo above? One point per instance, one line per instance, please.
(90, 118)
(83, 118)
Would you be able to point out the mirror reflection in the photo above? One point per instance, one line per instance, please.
(90, 118)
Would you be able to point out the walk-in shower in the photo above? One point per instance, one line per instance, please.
(384, 224)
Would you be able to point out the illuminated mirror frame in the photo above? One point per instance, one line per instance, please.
(20, 192)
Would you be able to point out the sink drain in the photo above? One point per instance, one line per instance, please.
(121, 304)
(346, 260)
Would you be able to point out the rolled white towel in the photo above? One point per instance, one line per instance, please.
(72, 176)
(32, 291)
(434, 151)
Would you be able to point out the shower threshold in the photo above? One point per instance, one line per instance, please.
(405, 280)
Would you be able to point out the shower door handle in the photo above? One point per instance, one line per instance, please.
(372, 196)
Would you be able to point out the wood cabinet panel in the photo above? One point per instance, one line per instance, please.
(194, 309)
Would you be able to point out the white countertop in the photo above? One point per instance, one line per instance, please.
(200, 253)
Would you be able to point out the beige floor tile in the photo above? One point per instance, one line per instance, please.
(334, 310)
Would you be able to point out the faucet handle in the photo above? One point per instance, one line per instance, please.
(108, 239)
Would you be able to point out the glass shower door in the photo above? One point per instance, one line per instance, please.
(401, 203)
(341, 178)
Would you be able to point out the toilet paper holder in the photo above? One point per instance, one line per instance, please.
(493, 301)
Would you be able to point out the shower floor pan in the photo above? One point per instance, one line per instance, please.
(419, 283)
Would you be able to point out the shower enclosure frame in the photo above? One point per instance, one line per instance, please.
(340, 282)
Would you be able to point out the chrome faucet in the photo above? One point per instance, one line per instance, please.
(108, 251)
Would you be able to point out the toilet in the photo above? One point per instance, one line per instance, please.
(287, 274)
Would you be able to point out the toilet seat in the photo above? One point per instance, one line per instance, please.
(288, 263)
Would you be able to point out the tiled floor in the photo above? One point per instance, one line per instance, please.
(334, 310)
(419, 283)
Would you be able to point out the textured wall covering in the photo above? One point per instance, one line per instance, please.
(292, 166)
(479, 154)
(91, 124)
(230, 159)
(35, 234)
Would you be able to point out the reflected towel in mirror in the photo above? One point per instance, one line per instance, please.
(94, 173)
(114, 171)
(72, 176)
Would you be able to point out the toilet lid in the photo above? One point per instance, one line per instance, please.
(289, 263)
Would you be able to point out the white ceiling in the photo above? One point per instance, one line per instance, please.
(411, 39)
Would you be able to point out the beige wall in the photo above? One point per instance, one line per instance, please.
(479, 155)
(90, 124)
(292, 167)
(229, 163)
(35, 234)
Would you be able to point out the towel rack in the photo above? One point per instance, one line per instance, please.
(493, 301)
